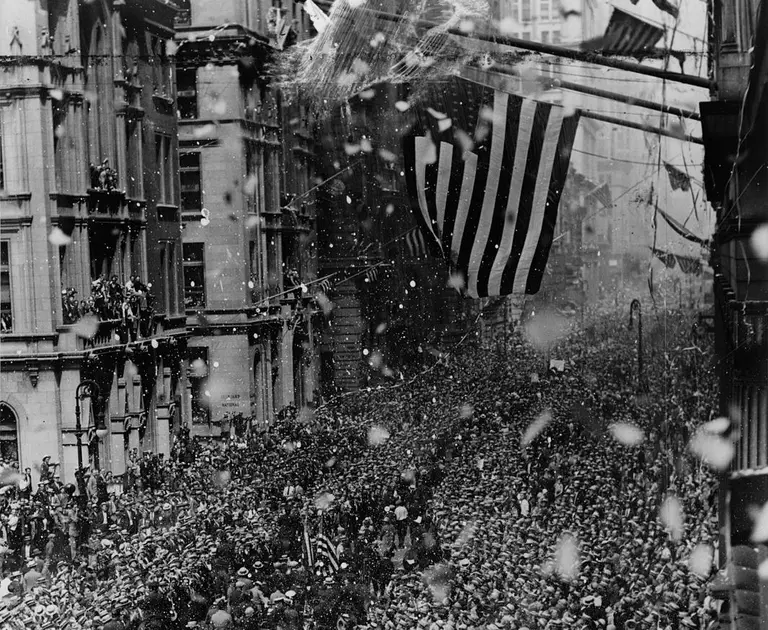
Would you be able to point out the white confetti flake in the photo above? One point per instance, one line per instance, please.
(220, 107)
(671, 515)
(377, 436)
(456, 281)
(323, 500)
(762, 570)
(387, 155)
(567, 558)
(366, 146)
(714, 450)
(367, 95)
(445, 124)
(700, 560)
(466, 411)
(58, 238)
(436, 114)
(86, 326)
(536, 427)
(427, 152)
(760, 526)
(759, 242)
(198, 369)
(718, 425)
(402, 106)
(627, 434)
(545, 328)
(351, 149)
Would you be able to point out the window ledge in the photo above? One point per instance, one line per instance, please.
(166, 206)
(20, 196)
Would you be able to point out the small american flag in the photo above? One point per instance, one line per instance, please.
(677, 179)
(372, 275)
(127, 424)
(327, 550)
(417, 246)
(626, 35)
(602, 195)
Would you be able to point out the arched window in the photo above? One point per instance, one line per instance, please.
(9, 441)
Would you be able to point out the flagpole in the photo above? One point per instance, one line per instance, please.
(551, 49)
(613, 96)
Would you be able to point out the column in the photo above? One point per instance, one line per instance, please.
(286, 358)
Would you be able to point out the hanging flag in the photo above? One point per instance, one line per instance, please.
(309, 554)
(667, 7)
(91, 434)
(681, 229)
(677, 179)
(372, 275)
(665, 257)
(325, 285)
(689, 264)
(626, 35)
(127, 421)
(490, 204)
(327, 550)
(417, 246)
(601, 195)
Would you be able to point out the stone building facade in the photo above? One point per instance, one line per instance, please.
(89, 202)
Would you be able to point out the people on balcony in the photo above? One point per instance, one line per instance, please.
(130, 303)
(103, 178)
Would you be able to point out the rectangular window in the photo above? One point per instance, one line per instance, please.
(514, 10)
(545, 9)
(545, 37)
(526, 11)
(168, 267)
(198, 379)
(164, 165)
(194, 275)
(527, 35)
(186, 95)
(6, 304)
(191, 190)
(556, 37)
(135, 175)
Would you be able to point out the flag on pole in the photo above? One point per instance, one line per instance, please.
(681, 229)
(689, 264)
(665, 257)
(601, 195)
(677, 179)
(325, 285)
(127, 421)
(319, 19)
(667, 7)
(490, 204)
(417, 246)
(626, 35)
(327, 551)
(372, 275)
(91, 434)
(309, 554)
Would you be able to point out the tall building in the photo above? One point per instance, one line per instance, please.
(247, 164)
(90, 247)
(735, 125)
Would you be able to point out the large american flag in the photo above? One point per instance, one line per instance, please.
(627, 35)
(486, 184)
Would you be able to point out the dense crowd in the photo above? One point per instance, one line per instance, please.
(130, 302)
(482, 493)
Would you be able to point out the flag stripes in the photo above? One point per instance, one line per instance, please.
(629, 35)
(491, 211)
(677, 178)
(417, 246)
(327, 550)
(602, 195)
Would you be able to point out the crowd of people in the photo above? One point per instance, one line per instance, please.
(484, 493)
(129, 302)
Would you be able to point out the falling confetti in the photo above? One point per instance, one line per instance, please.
(58, 238)
(86, 327)
(671, 515)
(627, 434)
(759, 242)
(714, 450)
(323, 500)
(760, 524)
(377, 436)
(536, 427)
(700, 560)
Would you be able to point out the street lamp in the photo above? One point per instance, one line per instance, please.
(635, 306)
